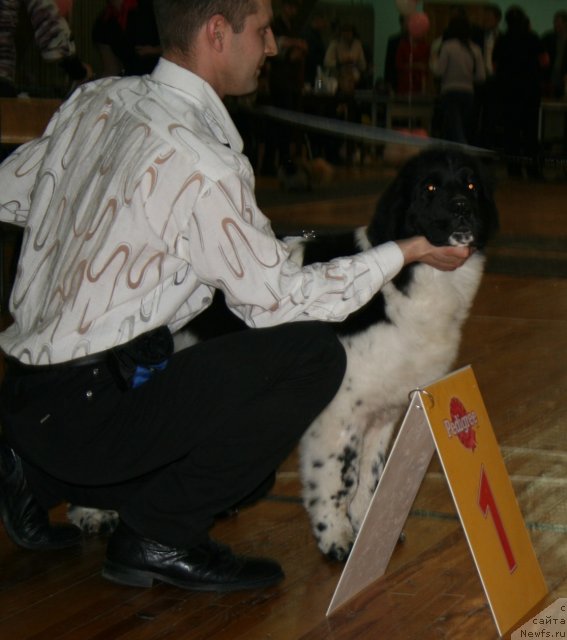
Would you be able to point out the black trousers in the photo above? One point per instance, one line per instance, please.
(191, 442)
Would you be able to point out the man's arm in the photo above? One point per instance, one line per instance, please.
(232, 248)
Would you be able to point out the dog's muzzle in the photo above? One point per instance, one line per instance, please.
(462, 211)
(461, 239)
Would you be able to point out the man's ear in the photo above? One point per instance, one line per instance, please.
(216, 31)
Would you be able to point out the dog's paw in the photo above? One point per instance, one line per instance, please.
(335, 539)
(339, 553)
(93, 521)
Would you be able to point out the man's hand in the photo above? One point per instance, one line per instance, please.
(443, 258)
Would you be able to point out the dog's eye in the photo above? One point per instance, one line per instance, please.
(471, 186)
(430, 188)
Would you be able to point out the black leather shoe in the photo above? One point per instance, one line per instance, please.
(137, 562)
(26, 523)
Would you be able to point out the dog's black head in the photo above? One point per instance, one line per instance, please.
(442, 194)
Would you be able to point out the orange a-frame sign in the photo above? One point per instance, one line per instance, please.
(449, 416)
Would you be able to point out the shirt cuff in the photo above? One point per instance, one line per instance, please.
(389, 259)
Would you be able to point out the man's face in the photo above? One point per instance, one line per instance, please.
(247, 51)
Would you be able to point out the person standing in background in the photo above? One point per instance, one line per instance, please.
(491, 18)
(52, 35)
(555, 45)
(487, 97)
(315, 40)
(460, 67)
(390, 66)
(286, 78)
(412, 65)
(345, 60)
(519, 60)
(345, 56)
(126, 36)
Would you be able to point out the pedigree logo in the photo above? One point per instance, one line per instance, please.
(462, 424)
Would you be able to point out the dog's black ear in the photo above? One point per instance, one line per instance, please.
(387, 221)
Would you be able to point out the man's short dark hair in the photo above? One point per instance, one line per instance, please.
(179, 21)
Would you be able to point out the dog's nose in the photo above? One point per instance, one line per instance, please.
(460, 206)
(459, 203)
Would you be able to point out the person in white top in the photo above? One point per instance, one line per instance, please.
(460, 67)
(137, 204)
(345, 56)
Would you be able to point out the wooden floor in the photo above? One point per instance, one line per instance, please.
(516, 342)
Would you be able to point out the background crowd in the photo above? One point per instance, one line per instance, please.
(486, 77)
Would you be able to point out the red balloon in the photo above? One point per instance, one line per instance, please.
(418, 24)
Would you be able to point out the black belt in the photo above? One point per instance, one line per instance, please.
(132, 363)
(15, 366)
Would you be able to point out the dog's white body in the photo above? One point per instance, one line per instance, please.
(344, 451)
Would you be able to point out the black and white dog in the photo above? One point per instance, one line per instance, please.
(406, 336)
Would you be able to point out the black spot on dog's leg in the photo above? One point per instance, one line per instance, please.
(347, 457)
